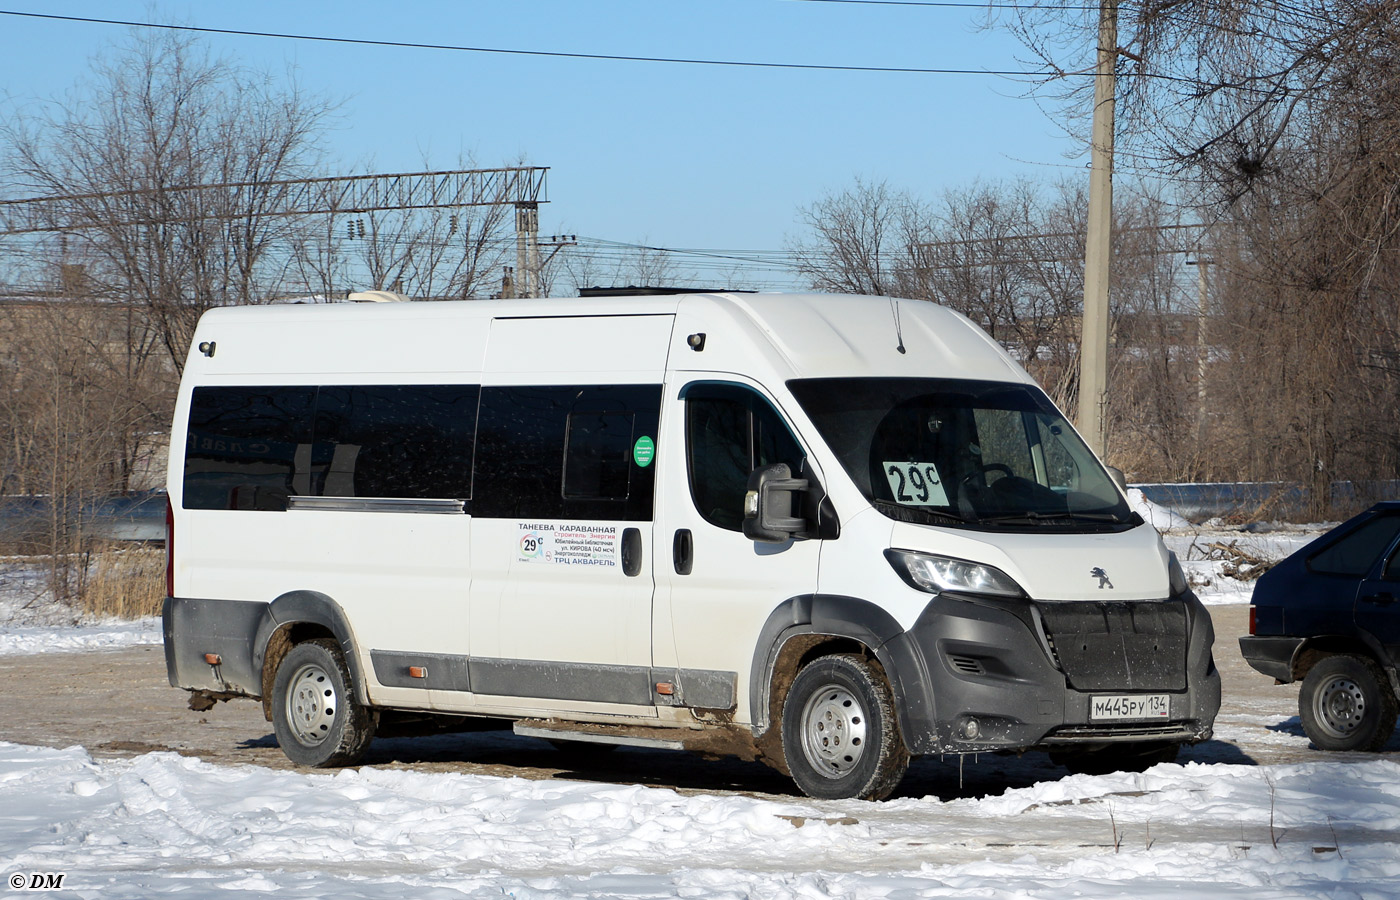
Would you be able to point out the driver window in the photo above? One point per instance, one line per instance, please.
(1001, 436)
(730, 431)
(1392, 567)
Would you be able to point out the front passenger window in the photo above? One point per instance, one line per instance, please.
(730, 431)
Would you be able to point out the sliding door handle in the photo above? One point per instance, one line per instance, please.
(683, 551)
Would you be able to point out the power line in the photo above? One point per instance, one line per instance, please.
(413, 45)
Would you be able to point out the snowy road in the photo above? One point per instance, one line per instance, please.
(162, 824)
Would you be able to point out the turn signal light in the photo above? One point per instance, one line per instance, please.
(665, 688)
(213, 659)
(417, 671)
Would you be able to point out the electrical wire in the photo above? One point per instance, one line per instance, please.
(414, 45)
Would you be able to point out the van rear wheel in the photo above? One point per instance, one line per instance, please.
(315, 715)
(840, 736)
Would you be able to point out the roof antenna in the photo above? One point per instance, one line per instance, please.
(898, 329)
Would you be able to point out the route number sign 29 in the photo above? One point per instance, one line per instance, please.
(915, 483)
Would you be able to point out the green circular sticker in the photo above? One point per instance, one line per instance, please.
(644, 451)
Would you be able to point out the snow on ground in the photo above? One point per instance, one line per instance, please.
(162, 824)
(31, 622)
(1194, 545)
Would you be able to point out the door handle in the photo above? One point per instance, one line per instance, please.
(1385, 598)
(631, 552)
(683, 551)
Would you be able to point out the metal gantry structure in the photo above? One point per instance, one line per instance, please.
(521, 187)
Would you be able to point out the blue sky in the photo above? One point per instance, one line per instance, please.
(667, 154)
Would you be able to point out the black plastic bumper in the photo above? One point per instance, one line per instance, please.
(1271, 655)
(225, 629)
(987, 675)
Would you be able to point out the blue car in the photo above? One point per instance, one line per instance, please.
(1329, 615)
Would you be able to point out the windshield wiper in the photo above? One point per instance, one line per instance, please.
(1033, 517)
(915, 513)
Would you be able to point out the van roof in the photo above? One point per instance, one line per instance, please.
(765, 335)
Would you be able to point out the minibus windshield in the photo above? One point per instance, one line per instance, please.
(979, 454)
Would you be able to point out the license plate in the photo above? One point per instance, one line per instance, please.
(1130, 706)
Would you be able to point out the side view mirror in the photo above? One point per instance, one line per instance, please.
(772, 497)
(1118, 478)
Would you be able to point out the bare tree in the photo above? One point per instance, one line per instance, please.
(605, 264)
(1284, 121)
(862, 239)
(168, 162)
(77, 420)
(438, 253)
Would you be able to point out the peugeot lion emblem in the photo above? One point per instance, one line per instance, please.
(1102, 576)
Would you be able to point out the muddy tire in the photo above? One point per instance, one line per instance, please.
(840, 736)
(315, 715)
(1346, 704)
(1133, 757)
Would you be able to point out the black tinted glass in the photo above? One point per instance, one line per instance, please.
(248, 447)
(598, 455)
(730, 431)
(401, 441)
(525, 434)
(1356, 552)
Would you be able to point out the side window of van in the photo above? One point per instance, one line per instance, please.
(730, 431)
(248, 447)
(253, 447)
(401, 441)
(1357, 551)
(566, 452)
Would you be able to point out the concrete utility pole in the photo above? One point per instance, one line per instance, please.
(1202, 345)
(1093, 347)
(527, 250)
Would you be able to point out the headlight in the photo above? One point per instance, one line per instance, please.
(937, 574)
(1175, 575)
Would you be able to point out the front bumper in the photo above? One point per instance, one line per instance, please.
(1026, 673)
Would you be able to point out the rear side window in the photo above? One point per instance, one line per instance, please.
(248, 447)
(400, 441)
(567, 452)
(253, 447)
(1356, 552)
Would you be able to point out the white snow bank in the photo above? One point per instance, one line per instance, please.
(161, 824)
(31, 622)
(109, 634)
(1159, 517)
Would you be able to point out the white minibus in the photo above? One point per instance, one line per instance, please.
(830, 533)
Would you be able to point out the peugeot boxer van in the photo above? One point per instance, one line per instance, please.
(830, 533)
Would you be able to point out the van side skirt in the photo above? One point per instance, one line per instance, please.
(238, 632)
(634, 685)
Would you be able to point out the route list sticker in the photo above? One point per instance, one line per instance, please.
(569, 544)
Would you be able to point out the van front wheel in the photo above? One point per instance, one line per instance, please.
(840, 737)
(315, 715)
